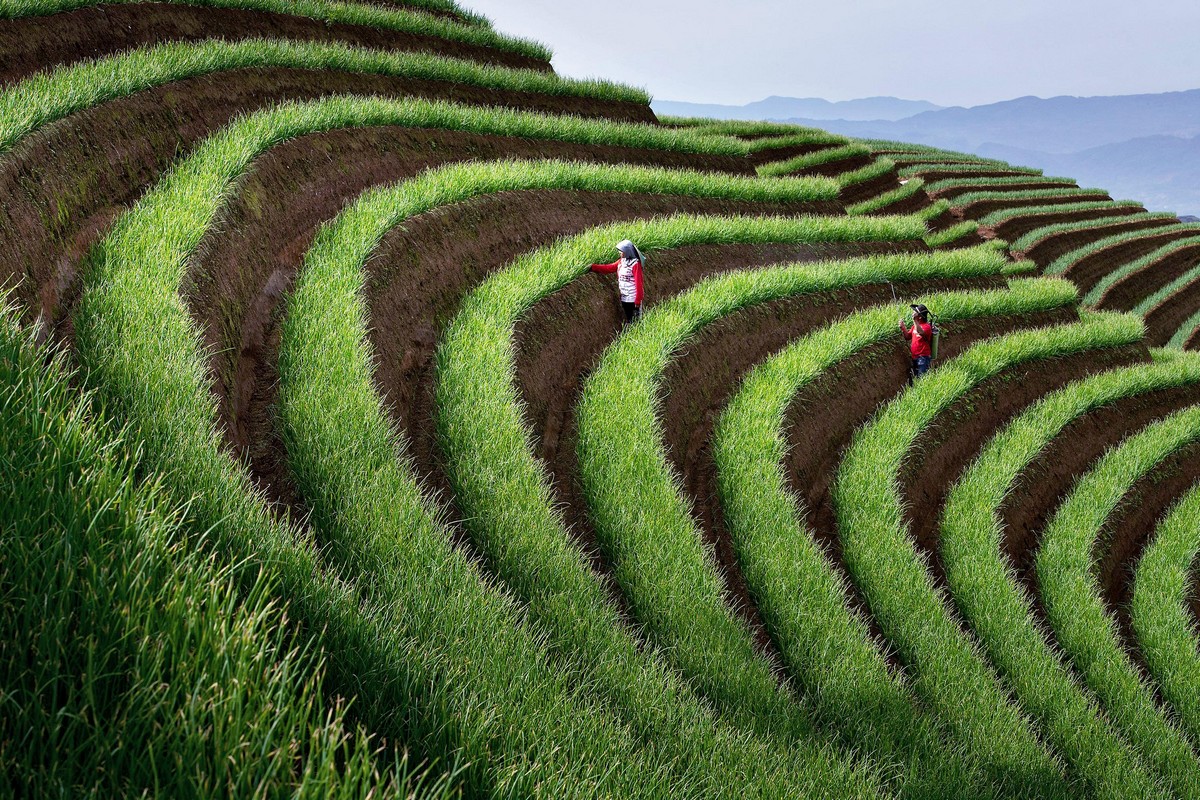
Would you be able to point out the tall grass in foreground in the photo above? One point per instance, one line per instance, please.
(46, 97)
(130, 662)
(950, 674)
(470, 28)
(399, 657)
(1072, 597)
(1066, 261)
(803, 600)
(1165, 631)
(503, 491)
(989, 593)
(361, 487)
(644, 523)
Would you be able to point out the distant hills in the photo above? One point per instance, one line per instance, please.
(867, 108)
(1144, 147)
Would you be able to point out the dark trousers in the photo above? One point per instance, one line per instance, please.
(632, 311)
(918, 367)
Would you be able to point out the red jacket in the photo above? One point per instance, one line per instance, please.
(920, 337)
(629, 279)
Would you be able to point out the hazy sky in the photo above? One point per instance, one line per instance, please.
(950, 53)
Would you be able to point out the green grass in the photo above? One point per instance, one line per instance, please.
(737, 127)
(500, 487)
(472, 28)
(645, 525)
(952, 234)
(938, 157)
(988, 593)
(887, 198)
(327, 403)
(949, 672)
(1064, 262)
(47, 97)
(1159, 614)
(133, 663)
(517, 723)
(1151, 303)
(1129, 270)
(1039, 235)
(1185, 332)
(913, 170)
(1005, 214)
(1072, 596)
(802, 599)
(969, 183)
(876, 169)
(809, 160)
(885, 145)
(984, 196)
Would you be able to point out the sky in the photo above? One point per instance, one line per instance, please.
(949, 53)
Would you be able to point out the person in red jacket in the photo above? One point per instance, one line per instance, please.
(629, 278)
(920, 338)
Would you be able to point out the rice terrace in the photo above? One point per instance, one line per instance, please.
(336, 463)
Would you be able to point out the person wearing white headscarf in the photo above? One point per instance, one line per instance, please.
(629, 278)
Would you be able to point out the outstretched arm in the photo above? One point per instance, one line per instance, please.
(606, 268)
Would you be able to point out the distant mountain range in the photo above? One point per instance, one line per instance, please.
(868, 108)
(1144, 147)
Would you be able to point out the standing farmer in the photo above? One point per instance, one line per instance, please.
(920, 337)
(629, 278)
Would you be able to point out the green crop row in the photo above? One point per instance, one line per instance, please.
(994, 183)
(1039, 235)
(950, 673)
(1020, 194)
(45, 98)
(876, 169)
(928, 157)
(1166, 634)
(809, 160)
(916, 169)
(1001, 614)
(1185, 332)
(468, 27)
(410, 683)
(738, 127)
(1129, 270)
(1155, 300)
(644, 525)
(502, 490)
(327, 397)
(1006, 214)
(952, 234)
(1072, 597)
(904, 192)
(142, 661)
(886, 146)
(1064, 262)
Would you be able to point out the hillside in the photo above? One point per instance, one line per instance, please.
(350, 451)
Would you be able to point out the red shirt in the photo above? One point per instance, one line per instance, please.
(920, 336)
(629, 278)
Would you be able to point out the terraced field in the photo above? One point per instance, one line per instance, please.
(332, 470)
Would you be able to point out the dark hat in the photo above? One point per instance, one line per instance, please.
(920, 310)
